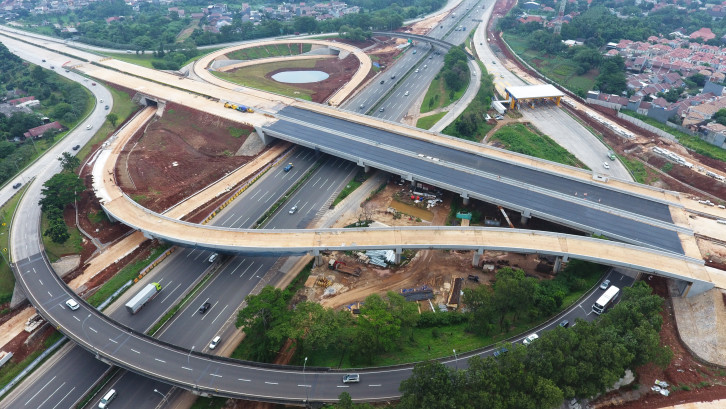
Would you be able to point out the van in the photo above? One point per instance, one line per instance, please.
(107, 398)
(215, 342)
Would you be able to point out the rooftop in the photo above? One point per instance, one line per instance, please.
(534, 91)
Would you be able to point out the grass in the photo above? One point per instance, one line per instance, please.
(7, 279)
(428, 121)
(122, 277)
(437, 96)
(351, 186)
(637, 169)
(254, 77)
(57, 250)
(146, 59)
(693, 143)
(97, 217)
(559, 69)
(236, 132)
(123, 108)
(519, 138)
(475, 111)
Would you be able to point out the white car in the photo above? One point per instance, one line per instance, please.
(416, 70)
(530, 338)
(215, 342)
(351, 378)
(605, 165)
(72, 304)
(406, 94)
(89, 126)
(293, 210)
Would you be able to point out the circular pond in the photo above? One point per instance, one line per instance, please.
(300, 77)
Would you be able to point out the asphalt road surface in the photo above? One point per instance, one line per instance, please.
(550, 119)
(554, 198)
(177, 275)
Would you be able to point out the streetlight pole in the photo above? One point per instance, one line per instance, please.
(456, 360)
(305, 381)
(189, 354)
(163, 397)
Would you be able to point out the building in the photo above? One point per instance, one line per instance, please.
(38, 131)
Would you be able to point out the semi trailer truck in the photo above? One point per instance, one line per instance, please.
(142, 297)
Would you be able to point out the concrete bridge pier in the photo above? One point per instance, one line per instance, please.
(465, 199)
(318, 258)
(365, 167)
(477, 255)
(558, 263)
(398, 251)
(264, 138)
(526, 215)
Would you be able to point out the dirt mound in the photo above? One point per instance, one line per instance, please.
(178, 155)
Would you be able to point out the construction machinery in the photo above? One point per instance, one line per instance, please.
(343, 268)
(238, 107)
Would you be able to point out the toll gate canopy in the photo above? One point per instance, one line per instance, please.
(531, 93)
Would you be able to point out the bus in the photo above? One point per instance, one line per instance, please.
(606, 300)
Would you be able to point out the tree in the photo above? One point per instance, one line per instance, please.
(699, 79)
(377, 330)
(265, 320)
(612, 76)
(113, 118)
(720, 116)
(433, 385)
(62, 189)
(480, 302)
(69, 162)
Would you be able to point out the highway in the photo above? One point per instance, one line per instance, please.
(558, 203)
(179, 273)
(204, 373)
(413, 72)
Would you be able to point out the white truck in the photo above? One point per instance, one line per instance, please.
(142, 297)
(606, 300)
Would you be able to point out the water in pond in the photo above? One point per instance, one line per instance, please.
(300, 77)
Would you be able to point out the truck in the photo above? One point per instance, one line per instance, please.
(606, 300)
(611, 155)
(340, 266)
(142, 297)
(238, 107)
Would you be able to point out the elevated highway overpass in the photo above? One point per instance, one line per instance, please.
(204, 374)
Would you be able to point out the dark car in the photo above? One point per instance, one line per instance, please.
(565, 323)
(106, 107)
(204, 307)
(75, 148)
(382, 81)
(43, 59)
(17, 185)
(500, 351)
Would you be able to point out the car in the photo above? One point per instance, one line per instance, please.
(52, 67)
(107, 398)
(17, 185)
(494, 62)
(213, 257)
(204, 307)
(530, 338)
(393, 77)
(129, 51)
(425, 66)
(89, 126)
(106, 107)
(605, 284)
(414, 51)
(215, 342)
(416, 70)
(361, 106)
(68, 71)
(501, 75)
(481, 43)
(431, 57)
(605, 165)
(382, 81)
(351, 378)
(72, 304)
(564, 323)
(501, 351)
(499, 117)
(93, 83)
(293, 210)
(382, 109)
(288, 167)
(100, 101)
(406, 94)
(75, 148)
